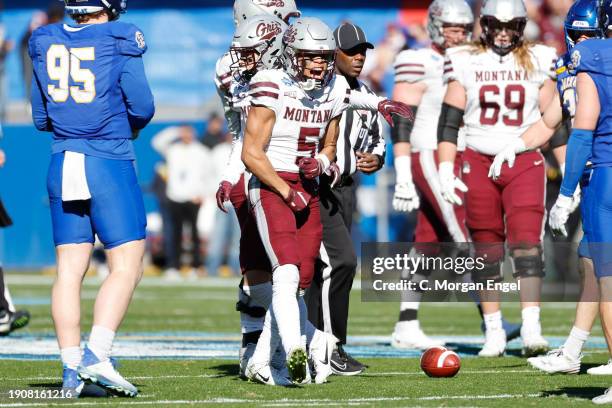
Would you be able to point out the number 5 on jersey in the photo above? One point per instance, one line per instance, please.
(63, 65)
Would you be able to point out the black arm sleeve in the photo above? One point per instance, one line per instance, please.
(402, 127)
(449, 123)
(561, 135)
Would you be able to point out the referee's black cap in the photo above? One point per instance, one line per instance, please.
(348, 35)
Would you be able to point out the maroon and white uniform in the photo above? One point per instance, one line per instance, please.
(437, 219)
(502, 102)
(301, 122)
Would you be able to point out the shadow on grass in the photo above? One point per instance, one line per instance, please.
(576, 392)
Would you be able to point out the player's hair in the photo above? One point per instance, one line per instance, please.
(84, 18)
(522, 53)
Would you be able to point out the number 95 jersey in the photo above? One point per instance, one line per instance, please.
(502, 97)
(85, 75)
(301, 118)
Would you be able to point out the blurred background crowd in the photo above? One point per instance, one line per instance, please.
(186, 230)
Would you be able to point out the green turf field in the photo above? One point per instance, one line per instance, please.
(394, 381)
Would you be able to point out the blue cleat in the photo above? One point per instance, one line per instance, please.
(72, 385)
(104, 374)
(513, 330)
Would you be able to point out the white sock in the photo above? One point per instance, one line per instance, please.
(255, 296)
(101, 342)
(71, 356)
(285, 305)
(575, 341)
(268, 341)
(493, 321)
(9, 300)
(531, 316)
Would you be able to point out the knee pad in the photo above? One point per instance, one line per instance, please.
(286, 277)
(527, 266)
(490, 272)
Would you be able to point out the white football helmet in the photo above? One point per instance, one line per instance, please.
(443, 13)
(309, 37)
(282, 9)
(497, 15)
(257, 44)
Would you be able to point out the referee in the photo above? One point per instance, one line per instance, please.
(361, 146)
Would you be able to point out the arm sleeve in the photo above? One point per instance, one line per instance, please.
(40, 116)
(136, 93)
(579, 150)
(235, 166)
(363, 100)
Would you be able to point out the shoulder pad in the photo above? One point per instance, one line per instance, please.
(131, 40)
(546, 59)
(409, 66)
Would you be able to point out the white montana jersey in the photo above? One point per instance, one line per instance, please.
(301, 118)
(223, 82)
(502, 98)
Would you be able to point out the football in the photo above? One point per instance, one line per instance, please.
(440, 362)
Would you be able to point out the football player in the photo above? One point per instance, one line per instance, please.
(498, 88)
(582, 22)
(90, 90)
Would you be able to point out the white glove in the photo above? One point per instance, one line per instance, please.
(559, 215)
(405, 198)
(508, 154)
(577, 193)
(448, 183)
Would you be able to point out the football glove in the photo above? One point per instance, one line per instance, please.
(310, 167)
(297, 200)
(388, 107)
(559, 214)
(405, 198)
(448, 183)
(223, 194)
(508, 154)
(334, 173)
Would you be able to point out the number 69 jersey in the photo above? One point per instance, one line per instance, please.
(301, 118)
(502, 97)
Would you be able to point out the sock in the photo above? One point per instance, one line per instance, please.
(263, 350)
(71, 356)
(101, 342)
(285, 306)
(531, 316)
(254, 296)
(9, 300)
(308, 330)
(493, 321)
(575, 341)
(408, 311)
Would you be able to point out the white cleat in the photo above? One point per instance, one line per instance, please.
(264, 374)
(495, 343)
(605, 398)
(533, 342)
(103, 374)
(556, 361)
(605, 369)
(408, 335)
(244, 356)
(321, 349)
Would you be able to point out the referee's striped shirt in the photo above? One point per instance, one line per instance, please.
(360, 131)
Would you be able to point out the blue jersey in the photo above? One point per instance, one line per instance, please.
(566, 85)
(595, 58)
(89, 87)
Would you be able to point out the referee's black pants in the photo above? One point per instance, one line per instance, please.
(328, 296)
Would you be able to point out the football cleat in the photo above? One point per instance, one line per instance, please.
(605, 369)
(556, 361)
(321, 350)
(297, 362)
(409, 335)
(343, 364)
(10, 321)
(264, 374)
(513, 330)
(495, 343)
(104, 374)
(245, 354)
(533, 342)
(72, 386)
(605, 398)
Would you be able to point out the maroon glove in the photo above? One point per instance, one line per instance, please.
(223, 194)
(310, 167)
(388, 107)
(334, 173)
(297, 200)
